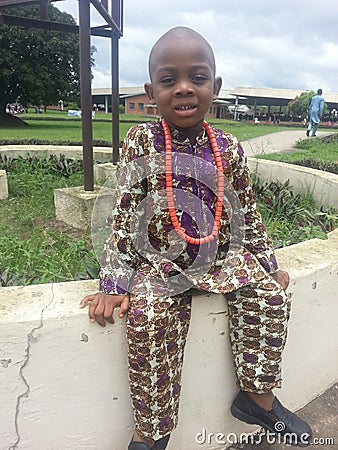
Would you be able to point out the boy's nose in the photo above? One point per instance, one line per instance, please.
(184, 87)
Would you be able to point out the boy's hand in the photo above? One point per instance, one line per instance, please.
(282, 278)
(101, 307)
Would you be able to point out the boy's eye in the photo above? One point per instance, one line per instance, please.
(199, 78)
(167, 80)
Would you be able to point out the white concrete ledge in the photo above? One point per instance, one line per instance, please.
(3, 185)
(103, 154)
(74, 206)
(64, 381)
(323, 186)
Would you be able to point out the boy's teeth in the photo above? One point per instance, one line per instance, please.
(184, 108)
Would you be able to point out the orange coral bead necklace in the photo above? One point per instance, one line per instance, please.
(169, 186)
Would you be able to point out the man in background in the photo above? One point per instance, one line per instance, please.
(315, 113)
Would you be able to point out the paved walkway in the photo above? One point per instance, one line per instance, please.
(276, 142)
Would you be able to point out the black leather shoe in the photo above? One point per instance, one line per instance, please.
(138, 446)
(279, 420)
(162, 443)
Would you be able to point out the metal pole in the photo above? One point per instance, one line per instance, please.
(86, 94)
(235, 110)
(115, 81)
(44, 10)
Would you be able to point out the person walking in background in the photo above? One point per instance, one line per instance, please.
(315, 112)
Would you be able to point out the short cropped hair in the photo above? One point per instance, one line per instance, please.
(180, 32)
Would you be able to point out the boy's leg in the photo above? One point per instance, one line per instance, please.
(258, 326)
(156, 332)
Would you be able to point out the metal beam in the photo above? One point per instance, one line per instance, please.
(111, 21)
(44, 10)
(6, 19)
(116, 14)
(86, 95)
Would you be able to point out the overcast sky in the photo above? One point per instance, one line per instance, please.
(291, 44)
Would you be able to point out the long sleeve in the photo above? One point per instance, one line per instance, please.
(321, 107)
(120, 259)
(256, 239)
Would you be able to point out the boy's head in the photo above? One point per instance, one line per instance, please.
(319, 91)
(182, 74)
(178, 36)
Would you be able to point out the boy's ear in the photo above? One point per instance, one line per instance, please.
(149, 90)
(217, 86)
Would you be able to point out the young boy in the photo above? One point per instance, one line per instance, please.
(172, 226)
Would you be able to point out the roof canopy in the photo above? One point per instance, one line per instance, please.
(275, 97)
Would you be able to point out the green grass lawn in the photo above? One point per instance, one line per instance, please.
(319, 154)
(55, 126)
(36, 248)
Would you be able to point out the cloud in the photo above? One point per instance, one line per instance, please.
(101, 78)
(287, 44)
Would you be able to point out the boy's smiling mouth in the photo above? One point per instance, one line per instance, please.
(184, 107)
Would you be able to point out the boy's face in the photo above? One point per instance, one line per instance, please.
(183, 82)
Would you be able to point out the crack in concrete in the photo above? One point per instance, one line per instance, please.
(218, 313)
(30, 340)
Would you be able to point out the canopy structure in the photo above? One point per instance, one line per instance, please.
(112, 15)
(276, 97)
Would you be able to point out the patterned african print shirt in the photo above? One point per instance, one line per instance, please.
(143, 248)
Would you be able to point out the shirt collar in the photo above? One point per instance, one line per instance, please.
(177, 136)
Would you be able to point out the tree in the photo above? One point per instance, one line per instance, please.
(299, 106)
(38, 67)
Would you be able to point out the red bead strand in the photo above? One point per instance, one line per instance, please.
(170, 193)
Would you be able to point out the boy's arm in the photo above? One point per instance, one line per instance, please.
(120, 258)
(256, 238)
(102, 306)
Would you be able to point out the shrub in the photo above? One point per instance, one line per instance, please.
(290, 217)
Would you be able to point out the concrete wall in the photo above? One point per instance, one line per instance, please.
(103, 154)
(64, 380)
(3, 185)
(323, 186)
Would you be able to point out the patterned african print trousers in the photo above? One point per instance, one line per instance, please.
(157, 329)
